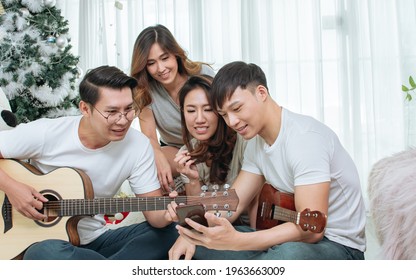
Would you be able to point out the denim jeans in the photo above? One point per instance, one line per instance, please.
(323, 250)
(133, 242)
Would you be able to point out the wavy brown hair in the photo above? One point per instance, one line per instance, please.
(161, 35)
(217, 151)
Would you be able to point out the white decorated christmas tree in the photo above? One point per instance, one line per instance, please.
(38, 72)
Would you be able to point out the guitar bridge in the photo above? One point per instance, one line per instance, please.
(6, 212)
(266, 211)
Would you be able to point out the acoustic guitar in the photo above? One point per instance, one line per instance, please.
(71, 197)
(276, 207)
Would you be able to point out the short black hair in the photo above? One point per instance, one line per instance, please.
(103, 77)
(233, 75)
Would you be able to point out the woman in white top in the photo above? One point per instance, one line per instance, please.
(162, 67)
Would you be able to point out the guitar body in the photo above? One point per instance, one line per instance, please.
(275, 207)
(18, 232)
(268, 199)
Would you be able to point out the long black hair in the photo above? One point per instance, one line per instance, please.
(217, 151)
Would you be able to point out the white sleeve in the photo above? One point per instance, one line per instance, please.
(144, 178)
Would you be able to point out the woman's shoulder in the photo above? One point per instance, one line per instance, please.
(206, 69)
(241, 141)
(240, 145)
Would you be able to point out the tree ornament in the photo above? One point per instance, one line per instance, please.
(25, 12)
(61, 42)
(49, 3)
(51, 39)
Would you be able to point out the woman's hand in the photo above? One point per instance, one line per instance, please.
(171, 208)
(164, 171)
(185, 165)
(182, 248)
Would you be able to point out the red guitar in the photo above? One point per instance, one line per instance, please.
(276, 207)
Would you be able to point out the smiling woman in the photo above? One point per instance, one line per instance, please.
(161, 68)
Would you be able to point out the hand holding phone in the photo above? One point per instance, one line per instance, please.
(193, 212)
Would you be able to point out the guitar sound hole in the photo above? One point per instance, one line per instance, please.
(51, 209)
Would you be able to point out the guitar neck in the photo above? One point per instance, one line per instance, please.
(286, 215)
(74, 207)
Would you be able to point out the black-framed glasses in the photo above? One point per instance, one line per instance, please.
(112, 118)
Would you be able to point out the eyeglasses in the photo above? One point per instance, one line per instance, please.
(112, 118)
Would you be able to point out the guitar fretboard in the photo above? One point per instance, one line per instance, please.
(286, 215)
(74, 207)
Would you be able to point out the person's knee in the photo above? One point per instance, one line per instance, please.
(295, 251)
(46, 250)
(290, 251)
(170, 231)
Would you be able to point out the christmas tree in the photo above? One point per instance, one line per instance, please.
(38, 72)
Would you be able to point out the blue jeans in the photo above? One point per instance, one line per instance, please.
(323, 250)
(133, 242)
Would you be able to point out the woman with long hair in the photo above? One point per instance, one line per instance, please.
(161, 67)
(213, 152)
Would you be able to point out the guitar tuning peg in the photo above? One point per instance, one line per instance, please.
(229, 213)
(204, 188)
(226, 186)
(218, 214)
(215, 187)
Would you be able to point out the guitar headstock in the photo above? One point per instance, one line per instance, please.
(226, 200)
(314, 221)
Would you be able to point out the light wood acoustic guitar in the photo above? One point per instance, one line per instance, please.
(275, 207)
(71, 197)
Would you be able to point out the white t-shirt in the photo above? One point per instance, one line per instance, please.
(52, 143)
(308, 152)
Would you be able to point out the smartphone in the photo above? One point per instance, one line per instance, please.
(194, 212)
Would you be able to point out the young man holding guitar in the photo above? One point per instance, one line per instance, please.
(101, 144)
(296, 155)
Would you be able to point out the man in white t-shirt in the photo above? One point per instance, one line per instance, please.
(101, 144)
(296, 154)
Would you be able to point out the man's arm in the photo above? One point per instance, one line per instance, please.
(222, 235)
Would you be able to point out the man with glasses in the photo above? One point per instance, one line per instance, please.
(100, 143)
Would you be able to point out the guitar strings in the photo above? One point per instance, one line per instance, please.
(104, 205)
(285, 214)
